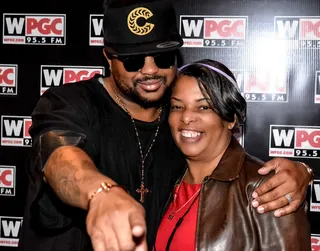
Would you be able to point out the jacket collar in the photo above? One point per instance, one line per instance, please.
(231, 162)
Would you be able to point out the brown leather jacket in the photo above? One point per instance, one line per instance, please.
(227, 221)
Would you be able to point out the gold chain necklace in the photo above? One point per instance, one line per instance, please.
(142, 190)
(172, 214)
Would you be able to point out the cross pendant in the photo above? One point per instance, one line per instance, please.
(142, 191)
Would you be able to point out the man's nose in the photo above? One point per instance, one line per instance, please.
(149, 66)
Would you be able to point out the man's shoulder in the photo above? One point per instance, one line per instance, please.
(84, 89)
(79, 85)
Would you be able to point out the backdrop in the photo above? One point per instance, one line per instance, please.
(272, 46)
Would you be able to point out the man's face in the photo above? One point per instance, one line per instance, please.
(144, 79)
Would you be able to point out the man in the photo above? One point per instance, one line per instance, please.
(92, 137)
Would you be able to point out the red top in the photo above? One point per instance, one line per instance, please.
(185, 235)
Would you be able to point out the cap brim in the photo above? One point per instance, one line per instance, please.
(168, 44)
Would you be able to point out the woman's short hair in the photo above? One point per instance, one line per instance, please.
(218, 83)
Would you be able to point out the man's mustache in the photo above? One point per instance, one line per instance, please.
(138, 81)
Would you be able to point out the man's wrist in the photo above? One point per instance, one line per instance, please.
(309, 170)
(104, 186)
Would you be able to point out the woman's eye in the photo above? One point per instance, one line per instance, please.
(175, 107)
(204, 107)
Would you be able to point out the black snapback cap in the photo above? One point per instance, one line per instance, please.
(140, 27)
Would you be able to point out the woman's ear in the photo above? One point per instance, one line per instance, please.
(231, 125)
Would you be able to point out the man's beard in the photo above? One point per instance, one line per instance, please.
(132, 94)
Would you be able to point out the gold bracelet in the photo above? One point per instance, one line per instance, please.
(309, 170)
(104, 186)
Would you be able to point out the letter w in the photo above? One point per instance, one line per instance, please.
(317, 191)
(13, 127)
(11, 228)
(52, 76)
(282, 136)
(193, 27)
(97, 26)
(286, 31)
(13, 24)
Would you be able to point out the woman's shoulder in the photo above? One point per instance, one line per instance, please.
(250, 167)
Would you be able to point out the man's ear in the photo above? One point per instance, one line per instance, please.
(106, 56)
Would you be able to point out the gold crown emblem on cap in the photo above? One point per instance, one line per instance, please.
(134, 15)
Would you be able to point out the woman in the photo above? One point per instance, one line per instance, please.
(210, 208)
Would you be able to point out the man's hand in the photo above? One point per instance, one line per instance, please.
(291, 178)
(115, 221)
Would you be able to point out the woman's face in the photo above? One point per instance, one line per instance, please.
(197, 130)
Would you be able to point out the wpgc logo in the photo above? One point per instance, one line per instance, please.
(8, 79)
(315, 242)
(317, 88)
(303, 32)
(57, 75)
(263, 86)
(213, 31)
(7, 180)
(40, 29)
(315, 196)
(10, 230)
(294, 141)
(15, 131)
(95, 30)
